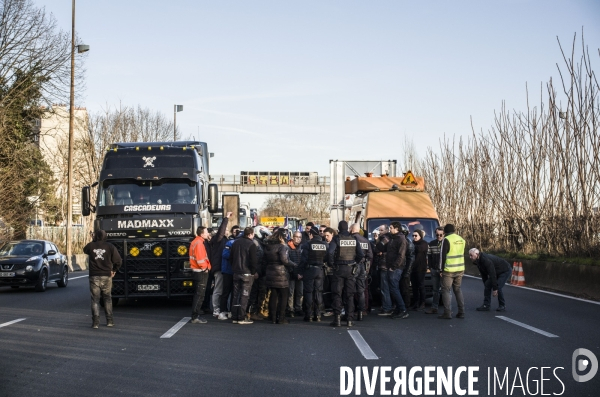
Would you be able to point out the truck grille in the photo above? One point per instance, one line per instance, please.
(157, 269)
(152, 256)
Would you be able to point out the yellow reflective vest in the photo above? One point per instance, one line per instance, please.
(455, 258)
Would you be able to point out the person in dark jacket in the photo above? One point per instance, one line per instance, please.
(314, 255)
(259, 289)
(279, 267)
(395, 261)
(104, 262)
(433, 263)
(294, 305)
(227, 273)
(215, 252)
(361, 276)
(345, 253)
(417, 276)
(306, 232)
(384, 287)
(409, 260)
(244, 263)
(495, 271)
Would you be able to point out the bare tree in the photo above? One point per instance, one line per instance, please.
(34, 71)
(315, 208)
(532, 182)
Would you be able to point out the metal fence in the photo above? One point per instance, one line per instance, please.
(58, 235)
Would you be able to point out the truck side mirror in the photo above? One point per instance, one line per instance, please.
(213, 198)
(85, 201)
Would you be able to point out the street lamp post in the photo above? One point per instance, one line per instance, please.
(176, 108)
(80, 48)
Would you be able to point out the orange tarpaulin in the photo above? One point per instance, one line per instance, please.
(370, 184)
(399, 205)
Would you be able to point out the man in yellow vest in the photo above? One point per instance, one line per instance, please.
(452, 264)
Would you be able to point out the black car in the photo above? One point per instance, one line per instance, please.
(32, 263)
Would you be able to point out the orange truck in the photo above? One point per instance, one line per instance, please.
(383, 200)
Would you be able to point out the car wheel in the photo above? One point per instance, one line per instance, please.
(42, 281)
(64, 279)
(14, 286)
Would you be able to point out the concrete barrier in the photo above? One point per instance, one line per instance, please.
(579, 280)
(79, 262)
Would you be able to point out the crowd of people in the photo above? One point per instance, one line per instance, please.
(253, 274)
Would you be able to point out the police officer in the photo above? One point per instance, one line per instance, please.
(314, 255)
(363, 269)
(345, 253)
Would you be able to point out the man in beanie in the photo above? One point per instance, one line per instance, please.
(452, 264)
(344, 253)
(104, 262)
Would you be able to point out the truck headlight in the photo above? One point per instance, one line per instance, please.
(157, 251)
(182, 250)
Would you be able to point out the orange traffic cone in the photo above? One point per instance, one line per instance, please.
(520, 276)
(515, 272)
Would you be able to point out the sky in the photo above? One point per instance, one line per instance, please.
(287, 86)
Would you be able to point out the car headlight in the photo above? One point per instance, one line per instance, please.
(29, 268)
(33, 258)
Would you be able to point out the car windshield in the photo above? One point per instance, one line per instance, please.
(128, 192)
(427, 225)
(22, 249)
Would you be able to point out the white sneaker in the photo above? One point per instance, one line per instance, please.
(244, 322)
(222, 316)
(216, 313)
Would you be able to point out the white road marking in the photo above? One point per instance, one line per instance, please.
(176, 327)
(362, 345)
(529, 327)
(542, 291)
(75, 278)
(12, 322)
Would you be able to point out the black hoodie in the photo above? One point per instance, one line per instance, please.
(103, 256)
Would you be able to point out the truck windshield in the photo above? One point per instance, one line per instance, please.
(131, 192)
(427, 225)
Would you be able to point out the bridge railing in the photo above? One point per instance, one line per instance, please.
(270, 180)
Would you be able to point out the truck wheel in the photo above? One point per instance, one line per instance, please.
(42, 281)
(64, 279)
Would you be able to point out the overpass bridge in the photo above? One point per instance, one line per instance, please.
(273, 183)
(269, 182)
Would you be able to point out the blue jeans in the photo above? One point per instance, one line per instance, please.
(394, 277)
(386, 300)
(487, 292)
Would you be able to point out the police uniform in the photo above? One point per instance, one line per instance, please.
(314, 255)
(345, 253)
(361, 275)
